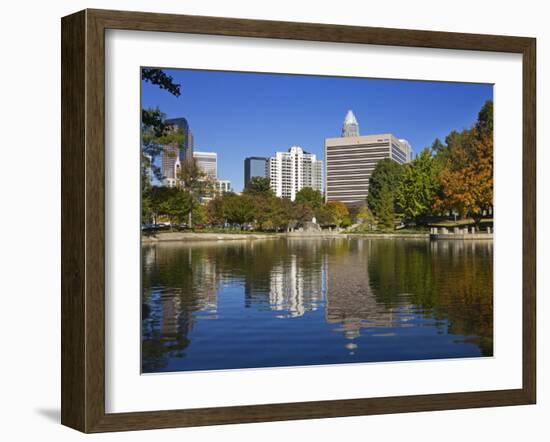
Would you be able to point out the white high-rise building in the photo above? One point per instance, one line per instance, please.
(223, 186)
(291, 171)
(207, 162)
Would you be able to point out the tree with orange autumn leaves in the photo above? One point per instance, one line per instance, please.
(466, 176)
(453, 176)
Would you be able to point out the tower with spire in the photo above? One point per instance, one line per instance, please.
(351, 126)
(351, 158)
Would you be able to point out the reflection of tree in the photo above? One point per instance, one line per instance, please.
(453, 279)
(189, 284)
(363, 284)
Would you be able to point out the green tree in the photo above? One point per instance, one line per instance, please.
(387, 173)
(419, 186)
(282, 213)
(239, 209)
(366, 217)
(309, 196)
(438, 146)
(196, 182)
(263, 208)
(159, 78)
(153, 143)
(199, 214)
(146, 188)
(386, 204)
(484, 122)
(259, 186)
(152, 119)
(175, 204)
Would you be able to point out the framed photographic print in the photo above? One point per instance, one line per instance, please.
(267, 220)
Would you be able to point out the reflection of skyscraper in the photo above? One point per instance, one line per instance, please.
(296, 288)
(255, 167)
(205, 284)
(350, 300)
(171, 309)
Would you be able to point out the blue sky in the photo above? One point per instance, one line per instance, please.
(249, 114)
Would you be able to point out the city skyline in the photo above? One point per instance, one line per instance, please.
(241, 115)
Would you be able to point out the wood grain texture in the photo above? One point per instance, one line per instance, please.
(83, 219)
(73, 253)
(529, 220)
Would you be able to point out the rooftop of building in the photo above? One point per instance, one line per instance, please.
(362, 139)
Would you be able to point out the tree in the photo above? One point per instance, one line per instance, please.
(263, 207)
(469, 189)
(366, 217)
(466, 178)
(259, 186)
(438, 146)
(152, 119)
(196, 182)
(340, 213)
(146, 198)
(161, 79)
(386, 204)
(153, 143)
(214, 211)
(173, 203)
(419, 186)
(282, 213)
(199, 214)
(325, 216)
(387, 173)
(310, 197)
(238, 209)
(303, 212)
(485, 118)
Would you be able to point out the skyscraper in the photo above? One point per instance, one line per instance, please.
(207, 162)
(174, 154)
(186, 148)
(170, 165)
(351, 126)
(351, 158)
(255, 166)
(291, 171)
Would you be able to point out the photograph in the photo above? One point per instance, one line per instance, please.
(297, 220)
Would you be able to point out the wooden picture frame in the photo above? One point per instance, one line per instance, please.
(83, 219)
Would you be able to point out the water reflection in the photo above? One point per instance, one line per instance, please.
(279, 302)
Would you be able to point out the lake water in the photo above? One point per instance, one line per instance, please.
(293, 302)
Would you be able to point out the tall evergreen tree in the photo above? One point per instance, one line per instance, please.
(387, 173)
(386, 212)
